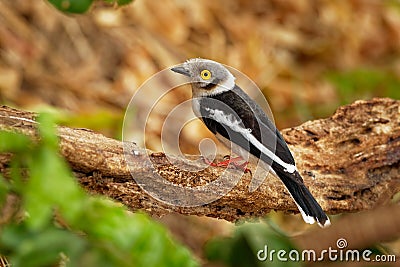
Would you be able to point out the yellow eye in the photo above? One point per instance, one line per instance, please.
(205, 74)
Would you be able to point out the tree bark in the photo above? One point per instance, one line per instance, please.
(350, 162)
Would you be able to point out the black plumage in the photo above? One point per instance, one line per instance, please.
(251, 116)
(235, 118)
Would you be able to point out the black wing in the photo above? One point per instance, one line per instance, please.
(251, 116)
(240, 108)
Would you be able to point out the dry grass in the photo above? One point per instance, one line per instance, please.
(97, 60)
(94, 62)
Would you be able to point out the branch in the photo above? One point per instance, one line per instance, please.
(349, 161)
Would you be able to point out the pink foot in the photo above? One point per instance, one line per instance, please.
(235, 162)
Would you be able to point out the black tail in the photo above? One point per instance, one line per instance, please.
(309, 208)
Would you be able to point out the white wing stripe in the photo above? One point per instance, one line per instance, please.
(230, 121)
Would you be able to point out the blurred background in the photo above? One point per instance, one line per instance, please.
(308, 58)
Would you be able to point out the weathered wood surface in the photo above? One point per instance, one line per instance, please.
(350, 161)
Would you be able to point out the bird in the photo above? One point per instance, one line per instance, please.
(240, 123)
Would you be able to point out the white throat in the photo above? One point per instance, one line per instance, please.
(227, 85)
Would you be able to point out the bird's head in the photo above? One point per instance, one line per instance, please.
(207, 77)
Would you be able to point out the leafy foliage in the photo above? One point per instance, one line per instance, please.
(81, 6)
(98, 233)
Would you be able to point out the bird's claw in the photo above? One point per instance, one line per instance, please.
(230, 162)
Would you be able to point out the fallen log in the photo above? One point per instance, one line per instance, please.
(350, 162)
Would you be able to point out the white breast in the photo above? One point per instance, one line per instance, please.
(196, 106)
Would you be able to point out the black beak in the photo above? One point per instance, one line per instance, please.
(181, 70)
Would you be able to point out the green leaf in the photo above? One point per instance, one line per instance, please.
(13, 142)
(147, 242)
(50, 185)
(112, 236)
(4, 188)
(40, 248)
(124, 2)
(72, 6)
(119, 2)
(47, 130)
